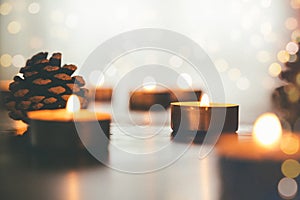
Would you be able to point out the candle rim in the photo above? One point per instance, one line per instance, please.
(48, 115)
(197, 104)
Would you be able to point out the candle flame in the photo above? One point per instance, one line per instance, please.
(73, 104)
(204, 100)
(150, 87)
(267, 129)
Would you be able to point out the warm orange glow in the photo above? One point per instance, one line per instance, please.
(289, 144)
(73, 104)
(267, 130)
(204, 100)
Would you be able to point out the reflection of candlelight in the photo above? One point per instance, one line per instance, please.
(267, 130)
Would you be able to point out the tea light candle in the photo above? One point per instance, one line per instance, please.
(196, 116)
(149, 96)
(103, 94)
(253, 167)
(56, 128)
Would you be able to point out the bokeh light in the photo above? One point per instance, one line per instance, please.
(298, 79)
(292, 48)
(234, 74)
(149, 83)
(295, 4)
(291, 23)
(34, 8)
(283, 56)
(292, 93)
(221, 65)
(274, 69)
(290, 168)
(18, 61)
(287, 188)
(14, 27)
(267, 129)
(5, 8)
(243, 83)
(184, 81)
(289, 144)
(296, 35)
(293, 58)
(5, 60)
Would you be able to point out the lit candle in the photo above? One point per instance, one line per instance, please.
(255, 167)
(57, 129)
(197, 115)
(149, 96)
(103, 93)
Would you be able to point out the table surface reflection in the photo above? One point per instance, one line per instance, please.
(160, 168)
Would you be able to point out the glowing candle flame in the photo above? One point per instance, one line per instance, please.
(73, 104)
(204, 100)
(150, 87)
(267, 129)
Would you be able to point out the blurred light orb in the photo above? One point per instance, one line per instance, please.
(283, 56)
(291, 23)
(5, 60)
(5, 8)
(296, 35)
(293, 58)
(243, 83)
(18, 61)
(14, 27)
(175, 61)
(267, 129)
(292, 48)
(34, 8)
(298, 79)
(149, 83)
(221, 65)
(287, 188)
(290, 168)
(234, 74)
(289, 144)
(274, 69)
(184, 81)
(295, 4)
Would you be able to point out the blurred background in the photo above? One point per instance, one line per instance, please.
(248, 41)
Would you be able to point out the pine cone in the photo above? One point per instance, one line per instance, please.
(44, 85)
